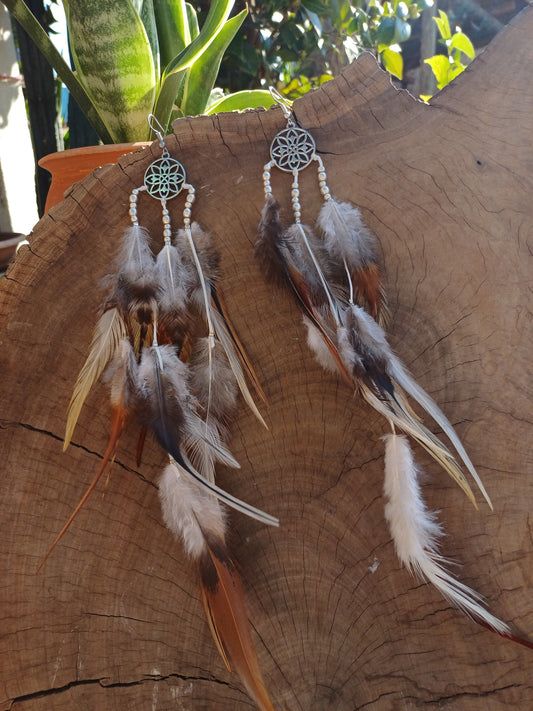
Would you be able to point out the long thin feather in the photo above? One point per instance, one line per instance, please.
(378, 354)
(109, 330)
(284, 262)
(415, 532)
(195, 517)
(122, 386)
(220, 305)
(225, 606)
(163, 383)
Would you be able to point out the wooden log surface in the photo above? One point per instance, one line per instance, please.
(115, 620)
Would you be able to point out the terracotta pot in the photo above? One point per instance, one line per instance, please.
(68, 167)
(9, 242)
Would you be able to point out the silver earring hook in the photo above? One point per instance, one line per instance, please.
(156, 128)
(286, 105)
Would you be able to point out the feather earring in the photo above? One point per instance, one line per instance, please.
(174, 362)
(336, 279)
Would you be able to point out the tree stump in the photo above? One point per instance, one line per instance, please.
(115, 620)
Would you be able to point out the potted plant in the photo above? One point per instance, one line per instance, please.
(136, 57)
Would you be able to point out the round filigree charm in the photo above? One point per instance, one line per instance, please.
(292, 149)
(164, 178)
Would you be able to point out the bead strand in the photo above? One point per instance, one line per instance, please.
(167, 230)
(295, 199)
(133, 206)
(266, 180)
(322, 181)
(191, 196)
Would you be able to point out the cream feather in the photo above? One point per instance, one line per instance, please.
(415, 532)
(109, 330)
(346, 237)
(184, 504)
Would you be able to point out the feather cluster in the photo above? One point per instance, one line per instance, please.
(335, 275)
(173, 361)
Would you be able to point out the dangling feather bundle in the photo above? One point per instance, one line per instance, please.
(336, 279)
(174, 363)
(194, 516)
(415, 533)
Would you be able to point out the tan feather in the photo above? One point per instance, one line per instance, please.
(225, 607)
(109, 330)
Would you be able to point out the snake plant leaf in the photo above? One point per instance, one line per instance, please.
(202, 75)
(114, 62)
(28, 22)
(173, 75)
(173, 28)
(241, 100)
(146, 11)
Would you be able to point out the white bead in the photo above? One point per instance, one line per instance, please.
(166, 219)
(296, 206)
(186, 212)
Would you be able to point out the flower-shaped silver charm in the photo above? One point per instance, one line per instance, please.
(292, 149)
(164, 178)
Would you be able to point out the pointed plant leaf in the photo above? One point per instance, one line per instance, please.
(114, 62)
(174, 73)
(173, 29)
(241, 100)
(201, 77)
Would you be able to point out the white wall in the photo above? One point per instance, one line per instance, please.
(18, 204)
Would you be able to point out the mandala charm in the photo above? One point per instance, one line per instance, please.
(164, 178)
(292, 149)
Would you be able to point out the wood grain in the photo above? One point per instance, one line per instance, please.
(114, 620)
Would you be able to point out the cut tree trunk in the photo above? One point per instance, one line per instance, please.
(114, 620)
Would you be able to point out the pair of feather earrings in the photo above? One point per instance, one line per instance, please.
(336, 279)
(173, 361)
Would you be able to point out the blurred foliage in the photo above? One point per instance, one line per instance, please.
(299, 45)
(459, 52)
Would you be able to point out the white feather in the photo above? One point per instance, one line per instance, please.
(346, 236)
(319, 348)
(184, 504)
(173, 279)
(415, 532)
(135, 258)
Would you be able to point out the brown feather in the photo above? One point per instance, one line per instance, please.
(118, 423)
(225, 607)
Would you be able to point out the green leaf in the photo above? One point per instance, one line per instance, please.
(172, 28)
(443, 25)
(201, 77)
(461, 41)
(145, 9)
(393, 62)
(193, 21)
(454, 71)
(114, 62)
(385, 32)
(173, 75)
(24, 16)
(314, 6)
(241, 100)
(402, 31)
(402, 11)
(441, 68)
